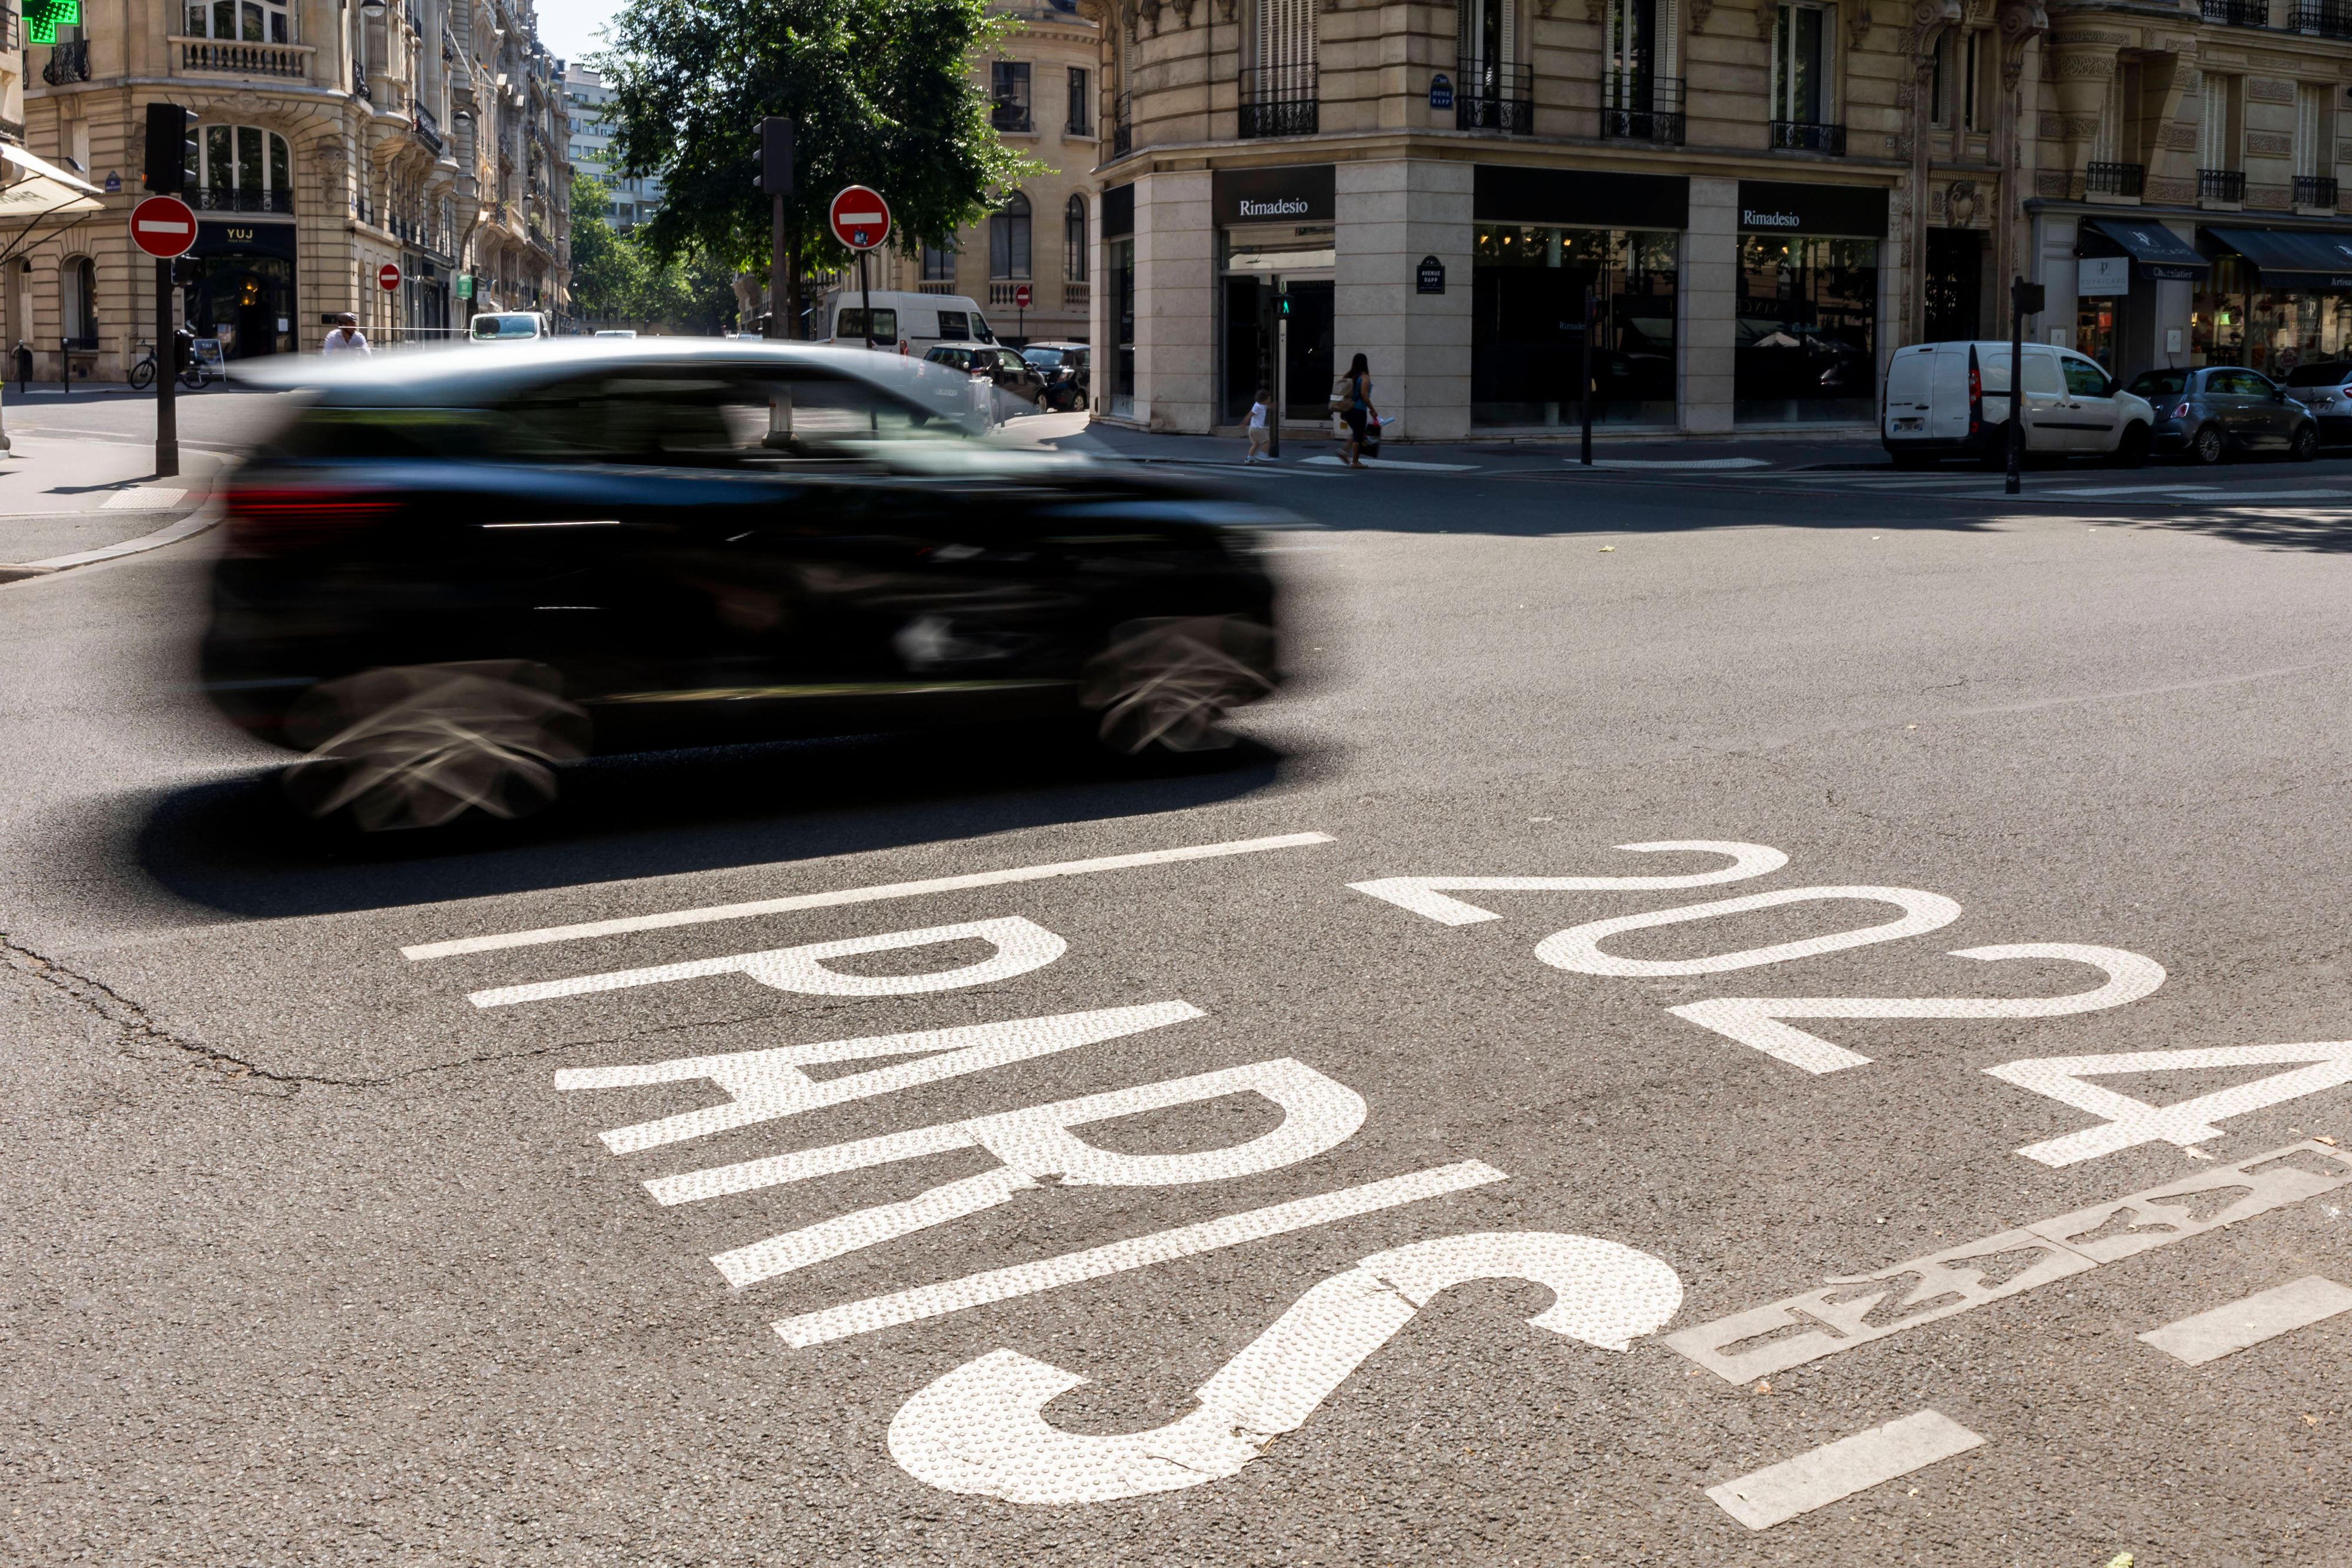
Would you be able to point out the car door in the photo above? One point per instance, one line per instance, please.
(2045, 402)
(2094, 419)
(2229, 396)
(2269, 415)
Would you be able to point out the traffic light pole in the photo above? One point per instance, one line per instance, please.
(1281, 358)
(2016, 387)
(778, 273)
(167, 378)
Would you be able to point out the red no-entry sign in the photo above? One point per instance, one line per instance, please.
(1021, 297)
(164, 228)
(387, 277)
(861, 218)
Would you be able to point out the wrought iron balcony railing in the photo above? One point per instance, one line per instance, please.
(1280, 101)
(2238, 13)
(1635, 107)
(1488, 95)
(1804, 136)
(228, 200)
(68, 62)
(2114, 179)
(2221, 184)
(360, 82)
(2327, 19)
(2314, 191)
(229, 57)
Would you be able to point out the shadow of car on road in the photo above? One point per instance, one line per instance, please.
(239, 846)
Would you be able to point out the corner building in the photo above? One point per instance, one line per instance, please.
(1764, 202)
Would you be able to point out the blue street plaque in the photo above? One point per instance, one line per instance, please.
(1441, 91)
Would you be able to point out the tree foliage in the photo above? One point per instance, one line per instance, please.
(615, 276)
(881, 93)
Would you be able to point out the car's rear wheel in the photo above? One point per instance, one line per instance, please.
(2131, 450)
(1165, 684)
(420, 746)
(2208, 447)
(2303, 445)
(1995, 452)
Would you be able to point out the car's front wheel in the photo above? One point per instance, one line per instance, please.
(2131, 450)
(2303, 445)
(2208, 447)
(1165, 684)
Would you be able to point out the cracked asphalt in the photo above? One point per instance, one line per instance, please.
(305, 1258)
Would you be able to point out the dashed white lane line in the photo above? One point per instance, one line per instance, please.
(2265, 1315)
(1778, 1493)
(852, 895)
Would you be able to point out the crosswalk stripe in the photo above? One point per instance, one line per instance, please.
(1778, 1493)
(2265, 1315)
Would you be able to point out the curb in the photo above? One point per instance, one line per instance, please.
(194, 523)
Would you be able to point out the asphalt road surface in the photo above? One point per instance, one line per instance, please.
(1728, 1017)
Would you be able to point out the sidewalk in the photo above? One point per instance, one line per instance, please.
(1784, 450)
(61, 495)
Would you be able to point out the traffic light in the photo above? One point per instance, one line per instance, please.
(775, 178)
(1282, 303)
(171, 148)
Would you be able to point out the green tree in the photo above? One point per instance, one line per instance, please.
(880, 91)
(614, 278)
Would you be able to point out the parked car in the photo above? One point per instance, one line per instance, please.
(510, 326)
(2221, 409)
(442, 580)
(2326, 391)
(1065, 366)
(918, 320)
(1015, 378)
(1946, 400)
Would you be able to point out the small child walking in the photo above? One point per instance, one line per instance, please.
(1257, 431)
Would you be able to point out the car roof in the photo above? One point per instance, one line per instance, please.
(1053, 343)
(463, 376)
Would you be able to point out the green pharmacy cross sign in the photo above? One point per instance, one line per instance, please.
(44, 18)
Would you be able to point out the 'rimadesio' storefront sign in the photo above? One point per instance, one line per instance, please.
(1295, 195)
(1848, 212)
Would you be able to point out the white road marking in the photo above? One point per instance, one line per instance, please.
(1021, 944)
(1764, 1340)
(1327, 461)
(141, 499)
(766, 1085)
(1778, 1493)
(1426, 895)
(980, 1430)
(1685, 463)
(2127, 1123)
(835, 900)
(2265, 1315)
(1755, 1020)
(924, 1301)
(1577, 948)
(2185, 490)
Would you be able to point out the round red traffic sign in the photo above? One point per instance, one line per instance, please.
(164, 228)
(387, 277)
(1021, 297)
(861, 218)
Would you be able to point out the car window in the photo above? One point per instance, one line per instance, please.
(2040, 372)
(506, 327)
(980, 331)
(705, 415)
(2257, 384)
(2232, 383)
(1043, 359)
(2085, 378)
(2158, 383)
(2320, 375)
(954, 324)
(851, 323)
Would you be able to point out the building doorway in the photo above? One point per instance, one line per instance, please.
(1955, 285)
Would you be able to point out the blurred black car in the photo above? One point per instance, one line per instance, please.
(1065, 366)
(447, 575)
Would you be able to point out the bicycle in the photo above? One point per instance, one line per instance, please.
(142, 373)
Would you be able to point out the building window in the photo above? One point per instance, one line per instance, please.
(2314, 131)
(1954, 92)
(1008, 239)
(939, 264)
(1073, 240)
(2221, 135)
(245, 21)
(243, 168)
(77, 281)
(1009, 85)
(1801, 85)
(1081, 120)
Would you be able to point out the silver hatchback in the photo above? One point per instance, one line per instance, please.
(2211, 413)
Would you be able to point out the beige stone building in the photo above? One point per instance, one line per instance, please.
(333, 137)
(1764, 199)
(1045, 84)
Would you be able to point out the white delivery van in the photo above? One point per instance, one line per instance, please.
(918, 320)
(1952, 399)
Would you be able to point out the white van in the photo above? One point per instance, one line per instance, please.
(919, 320)
(1952, 400)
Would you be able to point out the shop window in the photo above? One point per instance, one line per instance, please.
(1073, 239)
(1526, 335)
(1009, 86)
(1008, 239)
(1800, 64)
(77, 301)
(1805, 341)
(244, 169)
(243, 21)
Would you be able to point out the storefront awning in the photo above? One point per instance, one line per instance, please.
(2156, 251)
(38, 189)
(2291, 258)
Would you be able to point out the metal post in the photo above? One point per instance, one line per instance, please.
(865, 300)
(1281, 355)
(1584, 389)
(776, 269)
(2016, 387)
(167, 413)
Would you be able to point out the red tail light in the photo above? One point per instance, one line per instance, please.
(1976, 386)
(2181, 412)
(274, 522)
